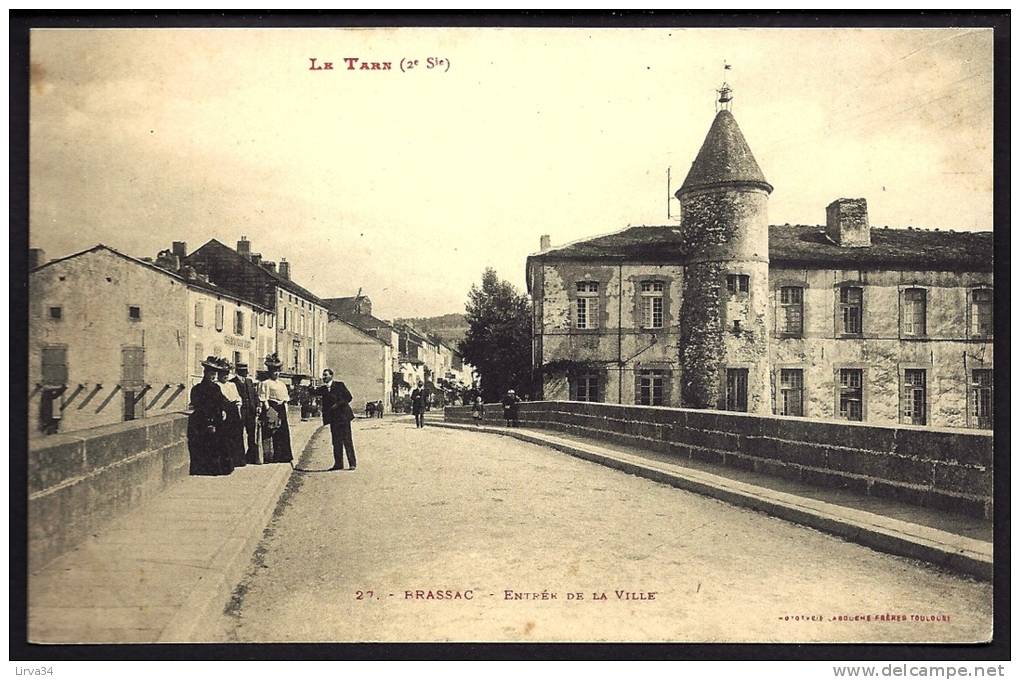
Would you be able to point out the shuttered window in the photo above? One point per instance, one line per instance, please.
(132, 365)
(54, 365)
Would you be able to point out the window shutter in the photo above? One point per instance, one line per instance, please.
(667, 388)
(637, 387)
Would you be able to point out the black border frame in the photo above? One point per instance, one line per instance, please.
(21, 22)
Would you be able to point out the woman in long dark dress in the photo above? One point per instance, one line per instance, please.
(233, 427)
(205, 425)
(275, 429)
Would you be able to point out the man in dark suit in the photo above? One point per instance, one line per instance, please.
(250, 405)
(337, 413)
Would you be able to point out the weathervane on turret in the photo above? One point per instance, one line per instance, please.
(725, 93)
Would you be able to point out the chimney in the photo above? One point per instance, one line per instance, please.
(167, 260)
(36, 258)
(180, 249)
(256, 258)
(544, 243)
(284, 268)
(270, 266)
(244, 248)
(846, 222)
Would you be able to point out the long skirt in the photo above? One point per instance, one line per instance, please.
(232, 432)
(208, 457)
(276, 442)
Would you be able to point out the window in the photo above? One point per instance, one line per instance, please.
(851, 303)
(262, 318)
(281, 294)
(54, 365)
(651, 304)
(252, 324)
(311, 356)
(736, 389)
(791, 310)
(134, 313)
(238, 322)
(588, 304)
(199, 314)
(914, 313)
(219, 317)
(132, 365)
(237, 359)
(791, 392)
(981, 404)
(269, 320)
(738, 284)
(198, 358)
(297, 358)
(915, 400)
(286, 318)
(585, 387)
(851, 393)
(981, 312)
(650, 384)
(56, 313)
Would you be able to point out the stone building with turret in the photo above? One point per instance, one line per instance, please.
(723, 311)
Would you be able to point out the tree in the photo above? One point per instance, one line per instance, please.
(498, 339)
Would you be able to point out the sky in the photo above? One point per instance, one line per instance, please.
(408, 183)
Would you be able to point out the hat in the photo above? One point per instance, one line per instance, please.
(212, 362)
(273, 362)
(224, 365)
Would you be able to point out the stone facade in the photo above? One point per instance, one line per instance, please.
(839, 321)
(362, 361)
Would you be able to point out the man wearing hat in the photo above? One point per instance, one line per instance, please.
(250, 407)
(510, 402)
(338, 414)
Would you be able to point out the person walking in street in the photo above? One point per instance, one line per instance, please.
(478, 411)
(510, 402)
(274, 396)
(418, 404)
(250, 411)
(232, 430)
(205, 422)
(338, 414)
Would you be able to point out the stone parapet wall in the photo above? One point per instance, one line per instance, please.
(79, 482)
(939, 468)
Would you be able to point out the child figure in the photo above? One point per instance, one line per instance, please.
(478, 411)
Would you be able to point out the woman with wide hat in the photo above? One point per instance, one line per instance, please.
(275, 430)
(232, 431)
(205, 424)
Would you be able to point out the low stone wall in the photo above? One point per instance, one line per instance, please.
(78, 482)
(938, 468)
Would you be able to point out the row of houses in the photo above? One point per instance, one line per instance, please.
(114, 337)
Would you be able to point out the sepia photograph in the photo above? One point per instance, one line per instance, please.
(511, 334)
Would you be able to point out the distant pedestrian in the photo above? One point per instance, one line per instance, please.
(275, 430)
(418, 398)
(510, 402)
(337, 413)
(250, 411)
(478, 411)
(208, 413)
(232, 431)
(378, 409)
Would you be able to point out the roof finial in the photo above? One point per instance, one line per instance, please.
(725, 92)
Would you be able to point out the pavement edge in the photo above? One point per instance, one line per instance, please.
(208, 597)
(952, 557)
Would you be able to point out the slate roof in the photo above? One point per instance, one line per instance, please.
(724, 158)
(343, 308)
(801, 245)
(201, 284)
(273, 277)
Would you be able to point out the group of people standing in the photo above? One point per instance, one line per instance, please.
(237, 421)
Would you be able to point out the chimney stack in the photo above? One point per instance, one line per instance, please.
(244, 248)
(256, 258)
(36, 258)
(180, 249)
(846, 222)
(284, 268)
(270, 266)
(544, 243)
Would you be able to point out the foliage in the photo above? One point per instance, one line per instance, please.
(498, 339)
(572, 367)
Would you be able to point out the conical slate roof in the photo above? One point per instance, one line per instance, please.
(724, 159)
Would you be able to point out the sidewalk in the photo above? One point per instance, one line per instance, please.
(955, 542)
(155, 573)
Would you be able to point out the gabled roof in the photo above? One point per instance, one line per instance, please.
(724, 159)
(343, 305)
(191, 283)
(272, 277)
(344, 308)
(336, 319)
(800, 245)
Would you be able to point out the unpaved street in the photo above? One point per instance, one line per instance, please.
(476, 515)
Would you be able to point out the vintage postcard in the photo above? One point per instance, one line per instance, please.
(510, 334)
